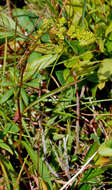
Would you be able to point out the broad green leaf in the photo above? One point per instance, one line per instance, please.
(59, 75)
(106, 149)
(85, 187)
(33, 56)
(11, 127)
(101, 85)
(66, 73)
(34, 83)
(5, 146)
(105, 70)
(91, 151)
(5, 83)
(82, 68)
(73, 62)
(8, 23)
(25, 18)
(86, 56)
(6, 96)
(45, 38)
(38, 64)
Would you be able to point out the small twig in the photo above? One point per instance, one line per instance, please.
(55, 81)
(79, 172)
(60, 181)
(82, 92)
(30, 184)
(96, 114)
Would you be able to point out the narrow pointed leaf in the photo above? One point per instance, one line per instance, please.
(5, 147)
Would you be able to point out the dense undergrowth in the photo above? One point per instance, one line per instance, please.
(56, 95)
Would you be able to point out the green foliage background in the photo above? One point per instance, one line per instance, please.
(55, 94)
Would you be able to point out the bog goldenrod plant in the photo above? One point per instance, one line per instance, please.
(55, 95)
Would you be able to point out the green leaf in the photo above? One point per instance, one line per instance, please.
(5, 83)
(34, 83)
(43, 184)
(31, 152)
(25, 127)
(90, 175)
(91, 151)
(60, 77)
(85, 187)
(8, 22)
(106, 149)
(6, 96)
(45, 38)
(108, 45)
(24, 96)
(26, 19)
(38, 64)
(105, 70)
(33, 56)
(102, 161)
(109, 29)
(44, 173)
(11, 128)
(43, 170)
(57, 136)
(5, 146)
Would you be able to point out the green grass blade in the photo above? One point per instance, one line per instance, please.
(83, 12)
